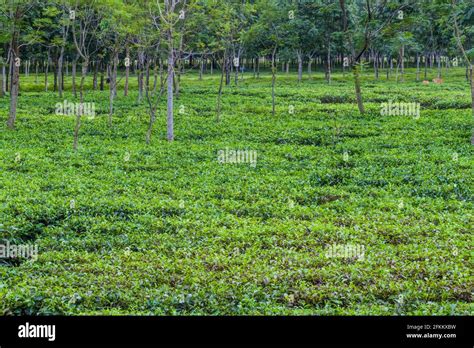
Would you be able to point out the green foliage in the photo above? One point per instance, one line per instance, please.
(167, 229)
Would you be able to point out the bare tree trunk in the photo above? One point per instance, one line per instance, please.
(60, 72)
(155, 76)
(402, 62)
(147, 74)
(391, 66)
(201, 68)
(472, 96)
(141, 63)
(55, 75)
(273, 81)
(2, 83)
(113, 85)
(228, 66)
(10, 74)
(439, 65)
(417, 67)
(329, 63)
(101, 83)
(46, 73)
(127, 70)
(74, 91)
(36, 71)
(376, 65)
(15, 52)
(169, 111)
(96, 73)
(178, 61)
(398, 66)
(426, 66)
(150, 126)
(236, 77)
(219, 94)
(310, 61)
(300, 66)
(355, 71)
(81, 109)
(160, 61)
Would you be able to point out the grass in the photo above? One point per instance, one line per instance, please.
(168, 229)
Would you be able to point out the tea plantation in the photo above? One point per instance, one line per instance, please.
(167, 229)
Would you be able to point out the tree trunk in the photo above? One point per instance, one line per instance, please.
(310, 61)
(300, 66)
(160, 61)
(426, 66)
(169, 111)
(46, 74)
(201, 68)
(471, 76)
(36, 71)
(147, 73)
(178, 62)
(236, 72)
(219, 94)
(273, 81)
(60, 72)
(258, 67)
(355, 71)
(55, 75)
(376, 65)
(141, 63)
(402, 62)
(472, 96)
(96, 73)
(101, 83)
(81, 109)
(391, 66)
(127, 70)
(155, 76)
(398, 67)
(15, 52)
(227, 71)
(417, 67)
(112, 85)
(10, 75)
(74, 91)
(328, 61)
(439, 65)
(3, 85)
